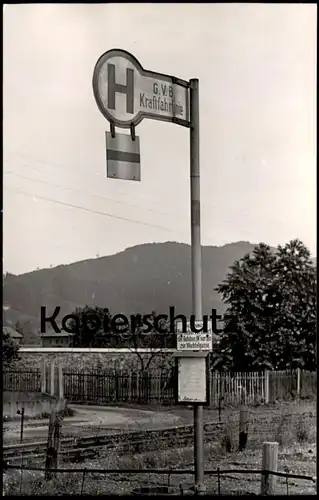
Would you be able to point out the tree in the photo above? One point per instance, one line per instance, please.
(26, 328)
(296, 282)
(19, 328)
(270, 321)
(153, 340)
(88, 329)
(10, 350)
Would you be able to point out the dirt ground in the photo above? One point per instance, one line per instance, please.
(89, 420)
(185, 413)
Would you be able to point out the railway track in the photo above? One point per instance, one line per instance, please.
(82, 448)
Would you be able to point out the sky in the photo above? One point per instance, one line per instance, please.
(256, 65)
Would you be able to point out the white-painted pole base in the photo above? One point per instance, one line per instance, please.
(52, 379)
(61, 382)
(43, 376)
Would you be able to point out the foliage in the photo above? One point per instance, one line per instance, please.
(19, 327)
(87, 331)
(152, 340)
(270, 321)
(25, 327)
(10, 350)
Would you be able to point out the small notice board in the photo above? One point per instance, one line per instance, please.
(194, 341)
(193, 378)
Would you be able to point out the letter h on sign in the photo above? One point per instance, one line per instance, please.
(114, 88)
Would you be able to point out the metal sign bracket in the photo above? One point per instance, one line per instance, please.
(133, 131)
(112, 128)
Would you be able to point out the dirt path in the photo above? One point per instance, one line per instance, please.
(92, 420)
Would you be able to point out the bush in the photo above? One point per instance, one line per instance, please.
(303, 430)
(228, 441)
(284, 431)
(69, 412)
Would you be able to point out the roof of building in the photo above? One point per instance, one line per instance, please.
(12, 332)
(56, 335)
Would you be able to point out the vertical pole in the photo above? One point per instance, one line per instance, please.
(243, 428)
(269, 463)
(266, 387)
(298, 382)
(196, 254)
(22, 424)
(61, 382)
(21, 479)
(56, 440)
(43, 376)
(52, 379)
(49, 464)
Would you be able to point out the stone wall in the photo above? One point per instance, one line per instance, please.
(94, 361)
(33, 406)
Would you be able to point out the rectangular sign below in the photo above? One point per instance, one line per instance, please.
(192, 380)
(192, 341)
(123, 157)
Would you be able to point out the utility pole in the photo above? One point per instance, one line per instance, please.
(196, 256)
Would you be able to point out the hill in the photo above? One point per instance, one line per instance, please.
(141, 279)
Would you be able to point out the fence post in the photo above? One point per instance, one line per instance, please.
(50, 455)
(22, 423)
(243, 428)
(43, 376)
(269, 463)
(52, 378)
(56, 437)
(85, 387)
(298, 383)
(53, 444)
(116, 380)
(266, 386)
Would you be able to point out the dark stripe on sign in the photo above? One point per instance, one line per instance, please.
(122, 156)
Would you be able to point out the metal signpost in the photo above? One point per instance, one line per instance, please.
(125, 94)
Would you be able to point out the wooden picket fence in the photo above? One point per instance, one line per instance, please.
(290, 384)
(233, 389)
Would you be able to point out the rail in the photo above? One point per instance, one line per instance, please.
(139, 440)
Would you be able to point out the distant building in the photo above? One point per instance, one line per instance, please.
(53, 339)
(18, 337)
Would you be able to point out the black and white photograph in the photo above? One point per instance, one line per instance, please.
(159, 249)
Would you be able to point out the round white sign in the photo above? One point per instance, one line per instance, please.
(126, 93)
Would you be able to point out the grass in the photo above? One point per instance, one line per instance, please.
(295, 429)
(296, 459)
